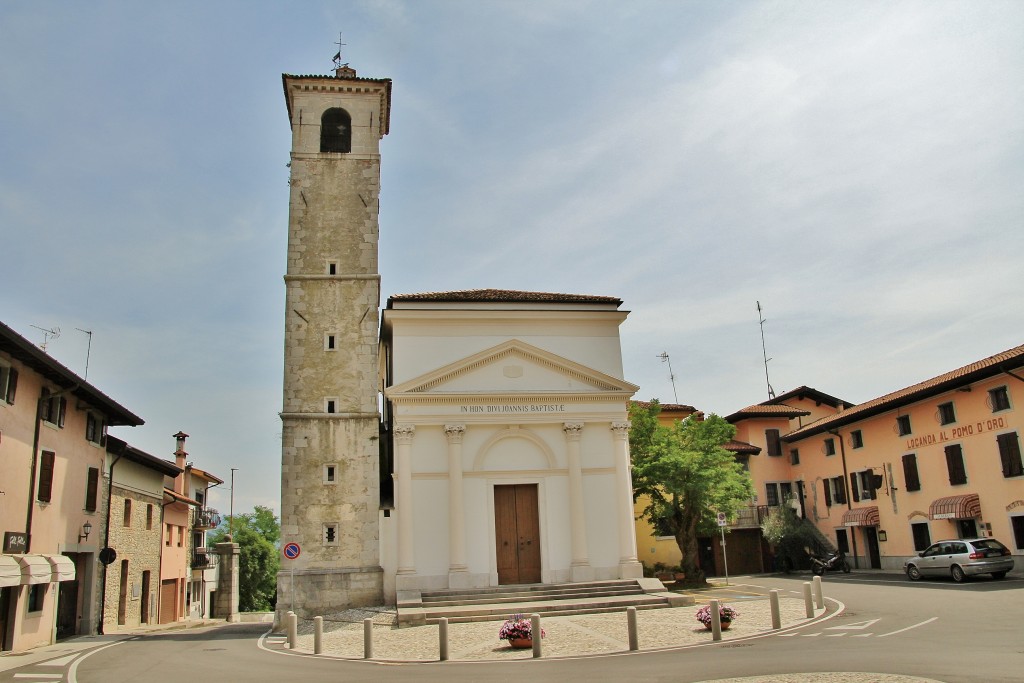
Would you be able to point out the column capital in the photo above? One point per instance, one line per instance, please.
(621, 429)
(454, 433)
(404, 433)
(572, 430)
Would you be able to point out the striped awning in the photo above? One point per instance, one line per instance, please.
(63, 568)
(861, 516)
(967, 506)
(10, 571)
(34, 569)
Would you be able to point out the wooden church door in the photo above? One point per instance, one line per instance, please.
(517, 533)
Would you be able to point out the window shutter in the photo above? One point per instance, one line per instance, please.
(91, 489)
(828, 492)
(12, 385)
(955, 465)
(772, 439)
(853, 488)
(840, 490)
(1009, 454)
(45, 476)
(62, 411)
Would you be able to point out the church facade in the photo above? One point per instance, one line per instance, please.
(498, 452)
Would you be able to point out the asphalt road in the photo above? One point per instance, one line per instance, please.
(932, 629)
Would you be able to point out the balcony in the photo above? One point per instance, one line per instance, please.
(204, 558)
(749, 517)
(207, 518)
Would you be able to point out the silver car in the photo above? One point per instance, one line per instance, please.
(961, 558)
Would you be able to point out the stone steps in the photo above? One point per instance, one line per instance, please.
(498, 603)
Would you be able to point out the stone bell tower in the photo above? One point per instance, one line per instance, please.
(330, 494)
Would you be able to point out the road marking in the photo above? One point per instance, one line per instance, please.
(834, 635)
(810, 635)
(73, 669)
(862, 635)
(858, 626)
(60, 661)
(42, 677)
(892, 633)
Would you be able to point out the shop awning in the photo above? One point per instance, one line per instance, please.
(63, 568)
(34, 569)
(967, 506)
(861, 516)
(10, 571)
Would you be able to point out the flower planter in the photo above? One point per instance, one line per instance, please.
(521, 643)
(725, 625)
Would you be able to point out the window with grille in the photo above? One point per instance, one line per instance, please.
(903, 424)
(999, 399)
(947, 413)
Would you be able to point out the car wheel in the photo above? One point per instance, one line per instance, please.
(998, 575)
(958, 573)
(913, 573)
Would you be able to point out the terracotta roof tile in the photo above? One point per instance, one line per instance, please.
(741, 447)
(505, 296)
(766, 410)
(986, 367)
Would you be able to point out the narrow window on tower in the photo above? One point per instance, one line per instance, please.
(336, 131)
(331, 473)
(330, 341)
(330, 534)
(332, 267)
(330, 405)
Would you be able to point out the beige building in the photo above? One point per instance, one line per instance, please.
(937, 460)
(52, 511)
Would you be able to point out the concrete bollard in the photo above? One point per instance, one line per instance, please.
(773, 596)
(367, 638)
(318, 635)
(819, 595)
(634, 641)
(808, 600)
(716, 621)
(293, 631)
(537, 632)
(442, 638)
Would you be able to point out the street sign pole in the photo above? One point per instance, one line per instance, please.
(722, 522)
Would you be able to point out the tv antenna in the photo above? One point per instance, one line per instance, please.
(761, 321)
(665, 359)
(48, 335)
(88, 351)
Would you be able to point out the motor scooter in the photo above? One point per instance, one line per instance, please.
(831, 562)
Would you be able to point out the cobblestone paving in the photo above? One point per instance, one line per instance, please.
(567, 636)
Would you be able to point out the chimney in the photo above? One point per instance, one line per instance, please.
(179, 460)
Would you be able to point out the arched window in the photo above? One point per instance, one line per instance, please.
(336, 131)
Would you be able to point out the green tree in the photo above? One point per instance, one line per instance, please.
(687, 476)
(257, 534)
(790, 536)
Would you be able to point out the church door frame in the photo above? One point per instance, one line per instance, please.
(517, 533)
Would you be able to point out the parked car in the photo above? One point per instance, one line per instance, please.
(961, 558)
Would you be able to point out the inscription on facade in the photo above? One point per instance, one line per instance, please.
(524, 408)
(955, 433)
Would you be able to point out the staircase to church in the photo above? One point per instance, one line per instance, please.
(417, 608)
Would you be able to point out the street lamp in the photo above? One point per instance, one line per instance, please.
(231, 513)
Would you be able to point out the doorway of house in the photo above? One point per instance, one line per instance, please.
(517, 533)
(871, 538)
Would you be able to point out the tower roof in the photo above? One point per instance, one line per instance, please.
(334, 83)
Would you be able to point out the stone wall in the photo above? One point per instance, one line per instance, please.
(140, 546)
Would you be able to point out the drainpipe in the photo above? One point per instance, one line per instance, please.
(849, 496)
(30, 507)
(106, 542)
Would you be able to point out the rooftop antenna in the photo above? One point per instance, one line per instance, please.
(665, 359)
(88, 351)
(761, 320)
(337, 56)
(48, 335)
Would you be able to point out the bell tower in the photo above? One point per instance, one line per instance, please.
(330, 493)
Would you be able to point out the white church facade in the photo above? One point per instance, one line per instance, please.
(470, 439)
(507, 412)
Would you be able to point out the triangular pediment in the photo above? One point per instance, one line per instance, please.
(512, 367)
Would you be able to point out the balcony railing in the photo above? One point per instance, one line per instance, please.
(207, 518)
(749, 517)
(204, 558)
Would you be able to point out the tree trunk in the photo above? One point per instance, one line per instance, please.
(686, 539)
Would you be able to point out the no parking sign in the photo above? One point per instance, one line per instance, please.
(292, 550)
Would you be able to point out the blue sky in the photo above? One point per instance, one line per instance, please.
(854, 166)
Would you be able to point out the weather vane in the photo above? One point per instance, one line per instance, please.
(337, 56)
